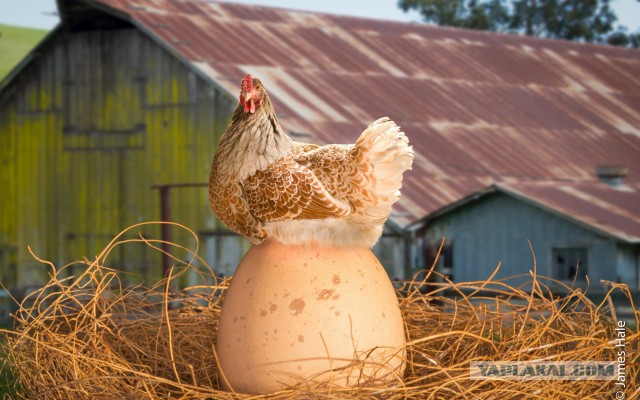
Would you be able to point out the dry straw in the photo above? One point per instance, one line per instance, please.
(87, 337)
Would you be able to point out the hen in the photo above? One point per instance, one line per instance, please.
(264, 184)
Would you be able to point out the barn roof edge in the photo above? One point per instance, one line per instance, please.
(518, 195)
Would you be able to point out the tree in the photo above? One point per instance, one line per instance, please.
(582, 20)
(587, 20)
(485, 15)
(623, 39)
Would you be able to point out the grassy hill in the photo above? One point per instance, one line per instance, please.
(15, 43)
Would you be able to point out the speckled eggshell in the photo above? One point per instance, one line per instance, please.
(293, 314)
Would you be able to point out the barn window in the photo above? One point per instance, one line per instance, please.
(571, 263)
(446, 260)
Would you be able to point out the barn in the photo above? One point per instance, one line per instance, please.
(578, 233)
(113, 120)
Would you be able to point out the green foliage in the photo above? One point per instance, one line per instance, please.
(581, 20)
(624, 39)
(485, 15)
(15, 43)
(588, 20)
(7, 389)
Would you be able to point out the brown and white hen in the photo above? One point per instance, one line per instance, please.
(264, 184)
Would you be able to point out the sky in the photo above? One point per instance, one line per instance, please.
(41, 13)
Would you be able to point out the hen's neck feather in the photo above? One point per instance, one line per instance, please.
(251, 142)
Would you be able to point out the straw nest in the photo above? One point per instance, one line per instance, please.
(87, 337)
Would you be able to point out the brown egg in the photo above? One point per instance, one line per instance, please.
(293, 314)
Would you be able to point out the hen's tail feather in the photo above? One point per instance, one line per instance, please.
(385, 149)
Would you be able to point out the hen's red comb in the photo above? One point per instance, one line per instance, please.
(247, 85)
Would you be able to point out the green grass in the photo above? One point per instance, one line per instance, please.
(6, 392)
(15, 43)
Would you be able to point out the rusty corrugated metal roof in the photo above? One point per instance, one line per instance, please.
(614, 210)
(479, 108)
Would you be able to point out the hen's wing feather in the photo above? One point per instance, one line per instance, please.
(305, 147)
(286, 190)
(342, 171)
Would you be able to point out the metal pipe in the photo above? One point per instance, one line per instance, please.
(165, 216)
(165, 232)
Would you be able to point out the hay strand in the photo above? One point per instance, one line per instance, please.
(89, 337)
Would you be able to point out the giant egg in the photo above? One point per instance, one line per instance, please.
(309, 315)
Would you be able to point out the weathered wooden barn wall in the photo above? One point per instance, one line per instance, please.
(85, 131)
(498, 228)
